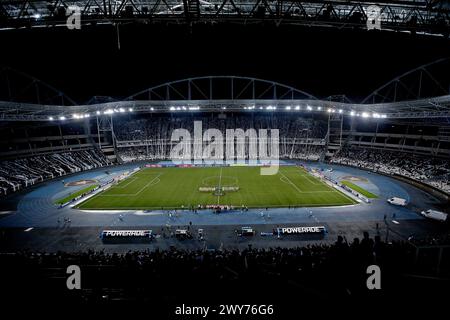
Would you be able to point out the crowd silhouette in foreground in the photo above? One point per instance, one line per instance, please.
(312, 271)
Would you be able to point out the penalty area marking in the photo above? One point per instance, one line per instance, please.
(156, 178)
(125, 185)
(313, 181)
(150, 183)
(290, 182)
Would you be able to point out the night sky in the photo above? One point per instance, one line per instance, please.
(322, 62)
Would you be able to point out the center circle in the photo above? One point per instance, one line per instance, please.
(224, 181)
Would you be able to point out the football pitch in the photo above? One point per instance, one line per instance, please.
(167, 188)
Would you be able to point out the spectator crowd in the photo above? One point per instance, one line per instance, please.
(337, 268)
(20, 173)
(150, 138)
(432, 171)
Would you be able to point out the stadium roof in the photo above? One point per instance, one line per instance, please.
(426, 16)
(419, 93)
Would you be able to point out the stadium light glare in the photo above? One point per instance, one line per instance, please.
(288, 108)
(365, 114)
(352, 113)
(319, 108)
(172, 108)
(297, 108)
(108, 111)
(37, 16)
(340, 110)
(97, 112)
(152, 108)
(383, 116)
(62, 118)
(50, 118)
(130, 109)
(329, 110)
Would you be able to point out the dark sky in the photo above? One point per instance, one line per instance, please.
(322, 62)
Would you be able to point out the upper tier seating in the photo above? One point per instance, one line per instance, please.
(20, 173)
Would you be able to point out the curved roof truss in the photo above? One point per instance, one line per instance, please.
(428, 80)
(220, 88)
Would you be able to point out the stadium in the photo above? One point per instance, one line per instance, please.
(220, 170)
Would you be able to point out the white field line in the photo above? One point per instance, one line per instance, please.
(133, 194)
(220, 181)
(313, 181)
(157, 177)
(306, 192)
(297, 188)
(125, 185)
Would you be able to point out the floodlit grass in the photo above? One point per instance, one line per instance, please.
(156, 188)
(359, 189)
(76, 194)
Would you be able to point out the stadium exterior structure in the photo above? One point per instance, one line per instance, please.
(416, 94)
(419, 96)
(424, 16)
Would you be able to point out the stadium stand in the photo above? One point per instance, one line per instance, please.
(149, 138)
(339, 267)
(21, 173)
(432, 171)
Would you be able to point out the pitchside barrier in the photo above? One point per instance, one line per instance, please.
(79, 197)
(335, 184)
(126, 175)
(103, 186)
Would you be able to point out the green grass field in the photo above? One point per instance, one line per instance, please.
(75, 194)
(156, 188)
(360, 190)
